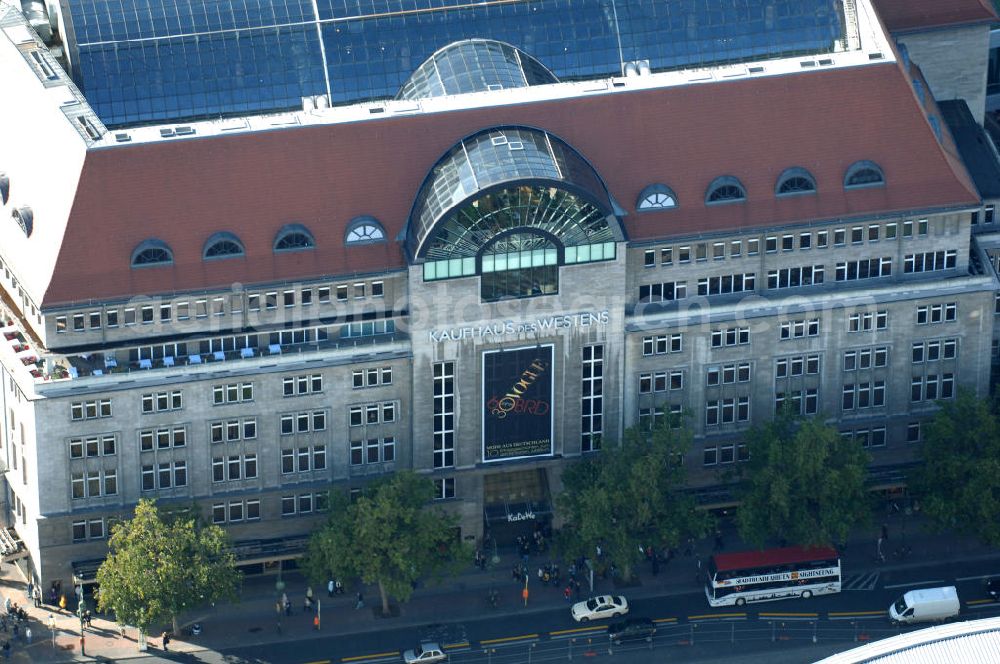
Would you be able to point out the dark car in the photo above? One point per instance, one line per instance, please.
(632, 629)
(993, 588)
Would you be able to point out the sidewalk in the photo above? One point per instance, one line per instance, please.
(254, 621)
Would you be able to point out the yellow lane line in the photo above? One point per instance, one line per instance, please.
(665, 620)
(980, 601)
(463, 644)
(524, 637)
(789, 615)
(357, 658)
(595, 628)
(705, 616)
(319, 661)
(856, 613)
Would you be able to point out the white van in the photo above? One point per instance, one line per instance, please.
(935, 604)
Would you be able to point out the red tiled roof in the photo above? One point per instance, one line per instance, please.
(252, 184)
(909, 15)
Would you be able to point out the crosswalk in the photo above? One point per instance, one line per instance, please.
(866, 581)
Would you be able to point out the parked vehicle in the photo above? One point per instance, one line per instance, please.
(926, 604)
(425, 653)
(632, 629)
(993, 588)
(595, 608)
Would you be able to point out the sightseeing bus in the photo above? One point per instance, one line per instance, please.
(762, 576)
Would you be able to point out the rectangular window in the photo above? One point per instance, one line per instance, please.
(753, 247)
(592, 398)
(342, 293)
(444, 415)
(822, 238)
(444, 488)
(649, 258)
(323, 294)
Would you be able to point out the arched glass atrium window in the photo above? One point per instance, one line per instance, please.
(520, 265)
(656, 197)
(863, 174)
(223, 245)
(474, 65)
(795, 181)
(25, 218)
(293, 237)
(725, 189)
(4, 189)
(151, 253)
(364, 230)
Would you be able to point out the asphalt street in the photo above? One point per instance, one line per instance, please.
(689, 630)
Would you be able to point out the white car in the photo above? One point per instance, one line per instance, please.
(595, 608)
(425, 653)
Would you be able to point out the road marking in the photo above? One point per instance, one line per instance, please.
(664, 620)
(788, 616)
(913, 583)
(975, 578)
(849, 615)
(719, 616)
(596, 628)
(866, 581)
(508, 639)
(319, 661)
(979, 601)
(382, 656)
(464, 645)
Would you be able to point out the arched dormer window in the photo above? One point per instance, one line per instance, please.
(223, 245)
(4, 189)
(152, 253)
(364, 230)
(795, 181)
(656, 197)
(24, 218)
(293, 237)
(863, 174)
(725, 189)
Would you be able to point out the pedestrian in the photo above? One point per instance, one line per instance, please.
(329, 588)
(6, 605)
(338, 587)
(87, 618)
(308, 604)
(27, 634)
(879, 554)
(359, 601)
(567, 592)
(309, 598)
(316, 622)
(288, 607)
(38, 597)
(166, 639)
(31, 591)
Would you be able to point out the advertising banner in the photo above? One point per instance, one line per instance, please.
(517, 403)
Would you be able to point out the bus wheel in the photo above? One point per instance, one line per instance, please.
(740, 601)
(807, 594)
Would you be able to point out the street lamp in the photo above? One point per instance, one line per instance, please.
(81, 608)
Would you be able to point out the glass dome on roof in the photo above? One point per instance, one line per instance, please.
(474, 65)
(155, 60)
(537, 179)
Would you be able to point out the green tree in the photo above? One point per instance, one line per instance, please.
(389, 536)
(629, 495)
(959, 481)
(161, 564)
(804, 484)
